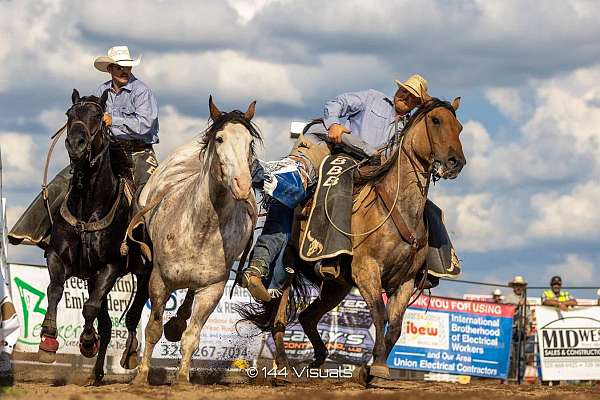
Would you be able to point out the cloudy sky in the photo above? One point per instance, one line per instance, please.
(528, 76)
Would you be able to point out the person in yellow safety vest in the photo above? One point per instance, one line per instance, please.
(556, 297)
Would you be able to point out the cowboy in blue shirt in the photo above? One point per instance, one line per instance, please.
(131, 114)
(369, 116)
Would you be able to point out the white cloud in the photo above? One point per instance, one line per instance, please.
(228, 75)
(18, 158)
(572, 215)
(508, 100)
(573, 270)
(13, 213)
(479, 222)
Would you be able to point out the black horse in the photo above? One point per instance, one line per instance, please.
(87, 232)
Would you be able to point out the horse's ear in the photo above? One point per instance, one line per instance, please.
(456, 103)
(103, 98)
(75, 96)
(215, 113)
(249, 114)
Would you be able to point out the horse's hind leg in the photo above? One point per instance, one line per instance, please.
(332, 294)
(279, 330)
(159, 293)
(104, 329)
(175, 327)
(49, 343)
(132, 319)
(206, 300)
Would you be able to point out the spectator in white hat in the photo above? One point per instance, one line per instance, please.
(497, 296)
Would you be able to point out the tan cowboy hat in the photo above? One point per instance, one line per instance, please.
(116, 55)
(517, 281)
(416, 85)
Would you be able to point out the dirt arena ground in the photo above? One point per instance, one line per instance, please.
(306, 390)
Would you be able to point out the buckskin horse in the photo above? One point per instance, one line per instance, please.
(389, 240)
(200, 212)
(86, 235)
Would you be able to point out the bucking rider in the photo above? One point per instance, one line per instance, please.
(132, 117)
(370, 116)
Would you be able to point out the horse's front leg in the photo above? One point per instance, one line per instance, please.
(49, 343)
(205, 302)
(99, 287)
(366, 275)
(396, 307)
(104, 329)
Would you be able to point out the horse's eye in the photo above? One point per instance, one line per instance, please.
(219, 139)
(435, 120)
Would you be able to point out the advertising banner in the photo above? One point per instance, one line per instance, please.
(219, 339)
(29, 284)
(455, 336)
(345, 330)
(569, 343)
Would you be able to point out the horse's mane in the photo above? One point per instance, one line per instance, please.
(394, 143)
(234, 117)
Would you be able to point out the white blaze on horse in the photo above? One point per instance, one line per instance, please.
(202, 212)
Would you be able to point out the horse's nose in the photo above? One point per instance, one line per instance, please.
(242, 187)
(76, 144)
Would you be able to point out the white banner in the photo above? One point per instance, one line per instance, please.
(29, 284)
(569, 343)
(219, 339)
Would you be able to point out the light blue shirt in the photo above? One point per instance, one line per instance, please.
(369, 115)
(134, 111)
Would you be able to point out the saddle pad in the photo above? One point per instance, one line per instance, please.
(442, 260)
(321, 239)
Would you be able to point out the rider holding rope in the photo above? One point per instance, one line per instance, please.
(132, 117)
(369, 116)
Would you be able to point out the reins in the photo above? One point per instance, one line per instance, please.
(392, 206)
(64, 211)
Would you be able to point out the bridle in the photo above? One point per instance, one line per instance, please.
(91, 136)
(423, 188)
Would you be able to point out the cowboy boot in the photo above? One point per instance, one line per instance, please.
(252, 280)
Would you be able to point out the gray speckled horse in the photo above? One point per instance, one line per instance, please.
(201, 216)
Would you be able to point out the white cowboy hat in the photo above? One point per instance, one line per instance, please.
(116, 55)
(517, 281)
(416, 85)
(497, 292)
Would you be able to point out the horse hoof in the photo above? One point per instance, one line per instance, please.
(361, 375)
(89, 346)
(140, 380)
(319, 360)
(129, 361)
(181, 383)
(47, 357)
(174, 328)
(380, 371)
(129, 358)
(95, 380)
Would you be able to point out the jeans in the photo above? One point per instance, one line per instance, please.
(275, 234)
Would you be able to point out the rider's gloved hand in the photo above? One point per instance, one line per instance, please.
(336, 131)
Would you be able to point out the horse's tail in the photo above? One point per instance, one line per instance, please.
(137, 219)
(263, 315)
